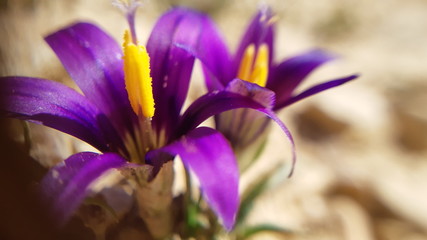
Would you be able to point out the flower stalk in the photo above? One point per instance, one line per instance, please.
(154, 200)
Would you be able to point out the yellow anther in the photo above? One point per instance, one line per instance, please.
(255, 71)
(245, 68)
(137, 77)
(260, 70)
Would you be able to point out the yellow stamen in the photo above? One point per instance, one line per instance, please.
(246, 63)
(255, 71)
(260, 70)
(137, 77)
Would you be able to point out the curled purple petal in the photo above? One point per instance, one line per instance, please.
(239, 94)
(214, 103)
(65, 185)
(57, 106)
(210, 105)
(94, 61)
(207, 154)
(314, 90)
(244, 126)
(288, 134)
(171, 66)
(289, 74)
(266, 98)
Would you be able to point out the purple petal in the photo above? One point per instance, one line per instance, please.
(57, 106)
(314, 90)
(66, 185)
(260, 31)
(212, 51)
(207, 154)
(94, 61)
(171, 66)
(242, 127)
(289, 74)
(288, 134)
(220, 101)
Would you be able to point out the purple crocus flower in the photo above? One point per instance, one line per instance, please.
(127, 130)
(253, 63)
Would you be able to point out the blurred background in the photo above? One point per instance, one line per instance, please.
(362, 147)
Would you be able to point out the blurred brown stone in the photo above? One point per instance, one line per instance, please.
(412, 131)
(409, 118)
(316, 125)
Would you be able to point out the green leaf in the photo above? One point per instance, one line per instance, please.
(248, 201)
(250, 154)
(254, 191)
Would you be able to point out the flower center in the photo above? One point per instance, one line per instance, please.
(138, 83)
(137, 77)
(254, 65)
